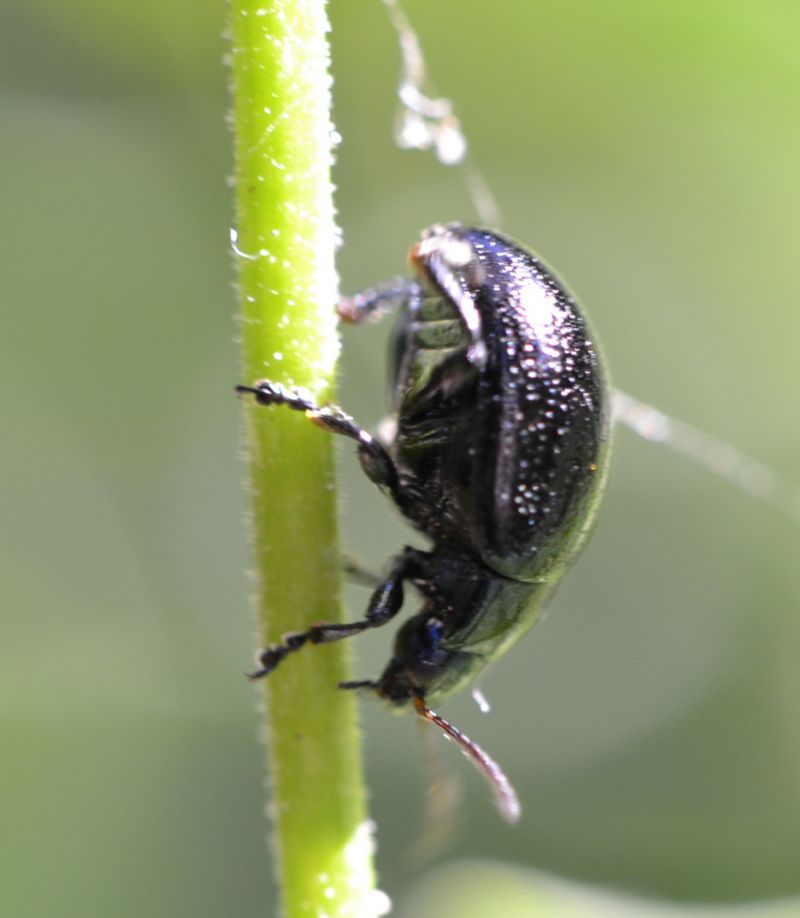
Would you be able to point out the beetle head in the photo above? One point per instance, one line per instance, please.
(421, 662)
(421, 665)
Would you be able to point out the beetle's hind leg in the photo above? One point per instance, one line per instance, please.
(375, 460)
(385, 603)
(379, 300)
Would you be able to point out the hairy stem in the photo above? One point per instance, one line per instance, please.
(287, 283)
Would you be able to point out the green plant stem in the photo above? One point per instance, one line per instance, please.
(285, 257)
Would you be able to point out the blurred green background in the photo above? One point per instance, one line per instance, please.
(650, 152)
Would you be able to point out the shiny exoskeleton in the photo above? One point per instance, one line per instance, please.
(501, 413)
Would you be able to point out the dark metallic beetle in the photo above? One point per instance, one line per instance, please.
(499, 456)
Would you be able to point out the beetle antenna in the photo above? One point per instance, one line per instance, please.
(443, 812)
(504, 794)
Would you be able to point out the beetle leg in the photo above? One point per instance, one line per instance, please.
(385, 603)
(377, 301)
(447, 378)
(375, 460)
(355, 572)
(270, 393)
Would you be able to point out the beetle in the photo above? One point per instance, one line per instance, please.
(501, 415)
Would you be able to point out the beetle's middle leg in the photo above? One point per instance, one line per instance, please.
(374, 458)
(386, 602)
(357, 573)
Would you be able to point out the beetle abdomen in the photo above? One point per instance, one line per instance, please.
(509, 450)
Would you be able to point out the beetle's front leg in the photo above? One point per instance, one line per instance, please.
(386, 602)
(375, 460)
